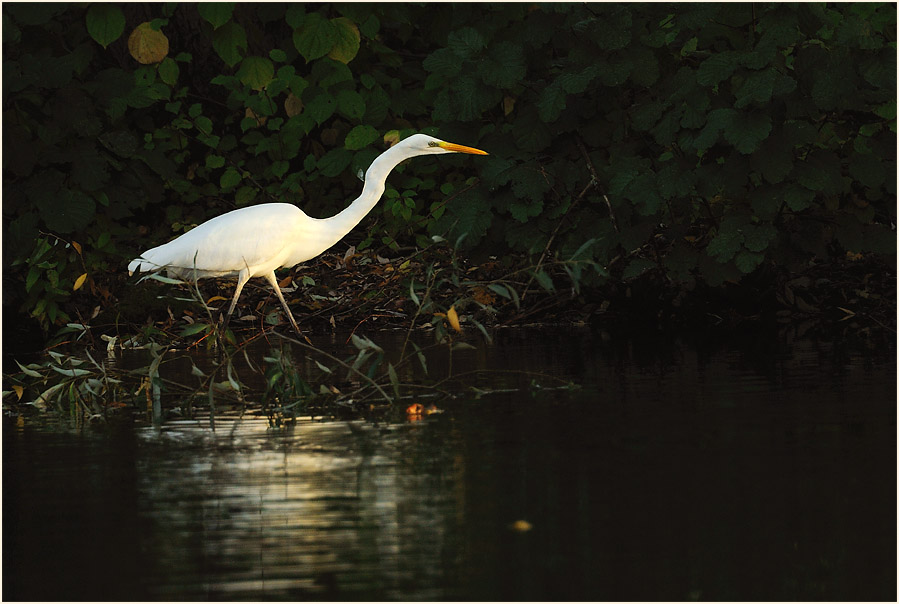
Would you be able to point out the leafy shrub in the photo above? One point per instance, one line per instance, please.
(698, 141)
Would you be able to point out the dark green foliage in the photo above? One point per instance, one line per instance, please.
(742, 133)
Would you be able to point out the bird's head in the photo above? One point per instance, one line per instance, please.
(422, 144)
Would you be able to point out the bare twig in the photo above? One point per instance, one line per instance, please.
(592, 169)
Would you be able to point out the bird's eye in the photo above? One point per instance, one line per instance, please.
(433, 144)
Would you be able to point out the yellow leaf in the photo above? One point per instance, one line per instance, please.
(392, 137)
(79, 282)
(292, 105)
(19, 391)
(453, 319)
(521, 526)
(215, 299)
(77, 246)
(148, 45)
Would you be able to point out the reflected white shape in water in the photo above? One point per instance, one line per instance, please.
(318, 509)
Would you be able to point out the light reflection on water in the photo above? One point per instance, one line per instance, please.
(735, 470)
(317, 510)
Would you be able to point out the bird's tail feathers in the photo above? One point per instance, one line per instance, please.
(141, 265)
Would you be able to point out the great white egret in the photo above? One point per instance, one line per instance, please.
(256, 240)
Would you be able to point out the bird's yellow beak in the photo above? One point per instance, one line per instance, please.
(462, 148)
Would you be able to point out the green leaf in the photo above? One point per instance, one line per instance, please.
(229, 41)
(544, 280)
(747, 261)
(821, 172)
(717, 68)
(523, 209)
(466, 42)
(335, 161)
(530, 183)
(350, 104)
(347, 40)
(725, 244)
(229, 179)
(214, 161)
(361, 136)
(256, 72)
(34, 274)
(245, 195)
(196, 328)
(321, 107)
(887, 111)
(120, 142)
(531, 134)
(105, 23)
(89, 167)
(203, 124)
(867, 170)
(504, 65)
(295, 15)
(468, 215)
(646, 115)
(747, 132)
(798, 198)
(774, 159)
(551, 103)
(443, 61)
(168, 71)
(315, 37)
(70, 212)
(217, 13)
(644, 192)
(758, 87)
(757, 238)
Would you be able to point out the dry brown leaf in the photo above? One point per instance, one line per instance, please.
(292, 105)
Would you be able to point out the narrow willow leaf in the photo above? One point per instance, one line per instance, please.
(161, 279)
(502, 290)
(70, 372)
(394, 379)
(28, 372)
(195, 329)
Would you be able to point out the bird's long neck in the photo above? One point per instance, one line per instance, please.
(375, 178)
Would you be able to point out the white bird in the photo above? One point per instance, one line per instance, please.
(256, 240)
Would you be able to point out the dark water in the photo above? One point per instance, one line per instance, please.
(736, 469)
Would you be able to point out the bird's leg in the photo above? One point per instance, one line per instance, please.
(242, 277)
(274, 281)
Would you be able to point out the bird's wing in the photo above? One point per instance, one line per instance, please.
(246, 238)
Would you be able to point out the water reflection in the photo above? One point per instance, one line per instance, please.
(318, 510)
(729, 470)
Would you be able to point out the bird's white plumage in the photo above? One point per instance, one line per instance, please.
(252, 237)
(257, 240)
